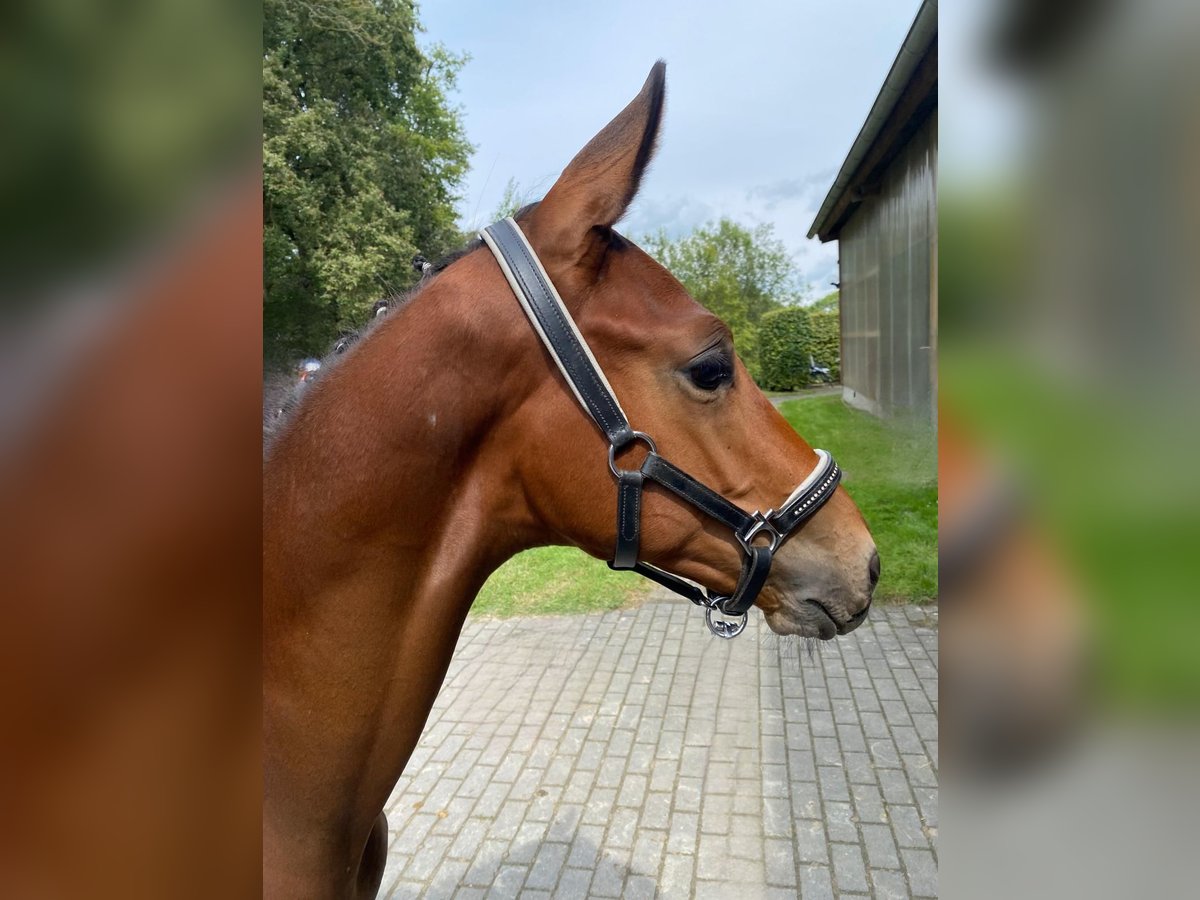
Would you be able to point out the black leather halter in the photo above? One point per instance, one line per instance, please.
(556, 328)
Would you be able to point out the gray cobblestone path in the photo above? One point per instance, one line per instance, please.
(631, 754)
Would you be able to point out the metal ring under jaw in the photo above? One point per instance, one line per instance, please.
(724, 628)
(637, 436)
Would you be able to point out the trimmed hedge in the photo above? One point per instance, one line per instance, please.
(826, 346)
(783, 339)
(787, 338)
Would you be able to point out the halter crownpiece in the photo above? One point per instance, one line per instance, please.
(558, 331)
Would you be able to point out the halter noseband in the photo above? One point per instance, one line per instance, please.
(557, 330)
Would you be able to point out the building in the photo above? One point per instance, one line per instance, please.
(882, 211)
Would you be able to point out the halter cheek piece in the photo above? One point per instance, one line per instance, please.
(557, 330)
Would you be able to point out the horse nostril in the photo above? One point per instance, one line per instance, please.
(874, 568)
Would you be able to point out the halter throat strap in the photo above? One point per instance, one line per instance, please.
(559, 334)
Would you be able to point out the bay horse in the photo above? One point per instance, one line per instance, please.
(445, 442)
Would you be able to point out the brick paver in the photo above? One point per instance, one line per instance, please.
(632, 754)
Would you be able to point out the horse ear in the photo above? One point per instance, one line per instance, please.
(598, 185)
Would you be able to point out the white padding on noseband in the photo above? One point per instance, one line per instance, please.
(803, 487)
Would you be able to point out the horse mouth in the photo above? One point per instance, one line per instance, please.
(827, 625)
(854, 621)
(810, 618)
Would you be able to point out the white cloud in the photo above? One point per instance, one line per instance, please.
(807, 188)
(675, 215)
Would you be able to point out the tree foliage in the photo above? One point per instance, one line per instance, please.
(362, 156)
(511, 201)
(739, 274)
(112, 117)
(828, 303)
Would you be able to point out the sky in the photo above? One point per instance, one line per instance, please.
(764, 100)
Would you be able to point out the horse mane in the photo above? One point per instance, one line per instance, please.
(275, 422)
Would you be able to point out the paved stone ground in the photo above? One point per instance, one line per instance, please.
(632, 754)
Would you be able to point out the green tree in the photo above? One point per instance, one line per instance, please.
(114, 117)
(362, 158)
(740, 274)
(513, 198)
(828, 303)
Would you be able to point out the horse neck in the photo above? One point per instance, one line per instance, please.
(384, 503)
(387, 459)
(387, 502)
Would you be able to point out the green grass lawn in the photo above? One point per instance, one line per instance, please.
(891, 473)
(554, 580)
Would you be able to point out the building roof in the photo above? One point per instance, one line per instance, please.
(907, 97)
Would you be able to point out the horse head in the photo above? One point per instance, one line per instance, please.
(673, 366)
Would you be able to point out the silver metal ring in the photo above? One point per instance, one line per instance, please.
(637, 436)
(724, 628)
(761, 525)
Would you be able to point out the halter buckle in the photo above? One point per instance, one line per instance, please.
(762, 525)
(634, 437)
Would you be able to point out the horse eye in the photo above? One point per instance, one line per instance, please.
(710, 373)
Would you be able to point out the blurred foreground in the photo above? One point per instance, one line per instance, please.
(130, 342)
(1070, 494)
(130, 499)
